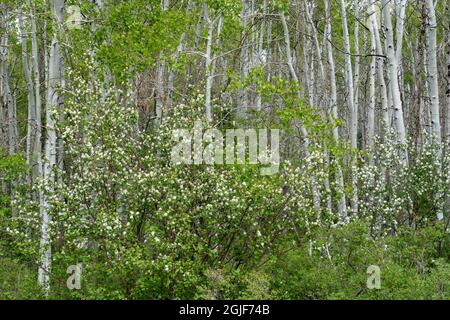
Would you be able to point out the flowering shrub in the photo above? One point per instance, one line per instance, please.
(144, 227)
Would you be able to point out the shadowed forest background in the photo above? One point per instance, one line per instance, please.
(91, 91)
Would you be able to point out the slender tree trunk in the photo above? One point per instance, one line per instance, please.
(356, 72)
(287, 42)
(432, 71)
(433, 86)
(159, 89)
(342, 205)
(447, 93)
(447, 113)
(400, 12)
(242, 100)
(54, 80)
(37, 147)
(7, 94)
(159, 85)
(416, 109)
(214, 59)
(352, 106)
(393, 75)
(380, 69)
(12, 138)
(372, 100)
(31, 120)
(208, 68)
(355, 113)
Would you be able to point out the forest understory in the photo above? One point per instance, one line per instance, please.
(116, 181)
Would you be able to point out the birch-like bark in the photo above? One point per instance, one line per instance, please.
(242, 99)
(159, 89)
(400, 13)
(315, 91)
(52, 101)
(433, 87)
(287, 42)
(208, 67)
(349, 78)
(447, 111)
(308, 65)
(393, 75)
(355, 113)
(416, 106)
(217, 44)
(7, 94)
(426, 100)
(432, 71)
(372, 98)
(3, 96)
(342, 205)
(12, 138)
(308, 11)
(37, 147)
(159, 85)
(373, 12)
(31, 118)
(2, 99)
(269, 49)
(352, 106)
(262, 53)
(447, 93)
(356, 71)
(9, 99)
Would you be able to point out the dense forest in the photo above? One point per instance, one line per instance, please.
(353, 97)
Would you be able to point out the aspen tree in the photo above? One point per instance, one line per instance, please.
(380, 66)
(37, 147)
(352, 106)
(31, 118)
(287, 43)
(52, 101)
(342, 206)
(433, 86)
(432, 71)
(393, 76)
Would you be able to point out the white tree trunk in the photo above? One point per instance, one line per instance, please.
(352, 106)
(287, 42)
(242, 100)
(393, 75)
(357, 69)
(342, 206)
(159, 89)
(372, 98)
(433, 87)
(373, 12)
(447, 93)
(208, 68)
(400, 13)
(37, 147)
(31, 118)
(54, 79)
(432, 71)
(159, 85)
(7, 94)
(349, 78)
